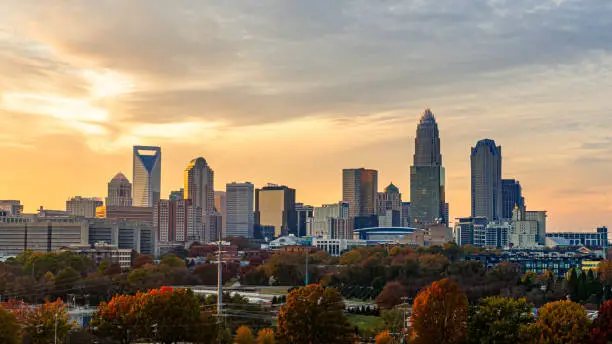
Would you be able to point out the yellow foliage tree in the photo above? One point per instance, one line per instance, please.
(384, 338)
(266, 336)
(244, 336)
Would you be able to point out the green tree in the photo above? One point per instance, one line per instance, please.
(172, 261)
(558, 322)
(313, 314)
(66, 280)
(498, 320)
(244, 335)
(10, 332)
(439, 314)
(266, 336)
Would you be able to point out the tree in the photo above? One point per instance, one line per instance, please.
(601, 331)
(439, 314)
(142, 260)
(66, 280)
(172, 261)
(10, 333)
(266, 336)
(391, 295)
(313, 314)
(116, 318)
(244, 336)
(45, 321)
(499, 320)
(558, 323)
(384, 338)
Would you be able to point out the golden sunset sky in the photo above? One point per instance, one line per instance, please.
(291, 92)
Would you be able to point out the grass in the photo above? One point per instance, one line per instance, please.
(365, 322)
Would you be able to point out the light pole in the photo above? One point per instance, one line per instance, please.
(55, 336)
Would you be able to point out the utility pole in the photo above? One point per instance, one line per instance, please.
(219, 286)
(405, 322)
(307, 276)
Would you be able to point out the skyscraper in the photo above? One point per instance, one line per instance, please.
(119, 191)
(275, 207)
(147, 175)
(390, 199)
(427, 177)
(177, 221)
(512, 195)
(199, 187)
(304, 214)
(360, 190)
(83, 206)
(486, 162)
(220, 207)
(239, 210)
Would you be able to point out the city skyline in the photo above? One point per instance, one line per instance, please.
(248, 95)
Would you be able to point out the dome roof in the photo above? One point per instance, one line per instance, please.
(391, 189)
(120, 177)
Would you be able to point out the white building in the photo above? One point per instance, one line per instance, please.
(239, 200)
(325, 217)
(104, 252)
(336, 247)
(83, 206)
(527, 228)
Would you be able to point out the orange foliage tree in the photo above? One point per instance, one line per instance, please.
(47, 321)
(10, 333)
(384, 338)
(558, 322)
(601, 331)
(391, 295)
(439, 314)
(266, 336)
(117, 318)
(314, 315)
(244, 335)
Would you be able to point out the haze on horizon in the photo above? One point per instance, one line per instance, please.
(291, 92)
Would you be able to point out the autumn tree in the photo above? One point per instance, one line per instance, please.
(46, 321)
(172, 261)
(498, 320)
(601, 331)
(266, 336)
(10, 333)
(558, 323)
(142, 260)
(116, 318)
(384, 338)
(391, 295)
(439, 314)
(314, 314)
(244, 335)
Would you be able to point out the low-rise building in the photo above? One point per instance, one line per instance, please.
(336, 247)
(130, 213)
(101, 251)
(596, 240)
(42, 235)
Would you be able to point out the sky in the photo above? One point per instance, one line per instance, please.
(292, 91)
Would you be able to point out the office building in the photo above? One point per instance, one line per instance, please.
(239, 202)
(360, 190)
(337, 247)
(390, 199)
(528, 229)
(406, 214)
(437, 234)
(303, 215)
(275, 207)
(199, 187)
(115, 212)
(119, 191)
(486, 161)
(593, 240)
(471, 231)
(427, 176)
(82, 206)
(12, 207)
(391, 218)
(100, 252)
(42, 235)
(539, 217)
(147, 176)
(177, 221)
(322, 221)
(512, 196)
(176, 195)
(125, 234)
(220, 207)
(496, 234)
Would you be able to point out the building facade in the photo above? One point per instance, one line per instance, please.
(593, 240)
(82, 206)
(427, 176)
(303, 215)
(275, 207)
(512, 196)
(42, 235)
(147, 176)
(178, 221)
(471, 231)
(239, 210)
(360, 190)
(337, 247)
(12, 207)
(176, 195)
(116, 212)
(200, 188)
(119, 191)
(320, 224)
(497, 234)
(486, 161)
(220, 207)
(128, 235)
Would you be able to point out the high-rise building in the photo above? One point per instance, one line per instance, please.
(119, 191)
(512, 196)
(390, 199)
(220, 207)
(427, 176)
(360, 190)
(486, 159)
(147, 175)
(303, 215)
(471, 231)
(275, 207)
(177, 221)
(83, 206)
(200, 188)
(176, 195)
(331, 221)
(239, 210)
(406, 214)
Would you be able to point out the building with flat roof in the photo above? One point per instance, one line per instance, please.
(593, 240)
(275, 207)
(42, 235)
(337, 247)
(83, 206)
(116, 212)
(239, 203)
(360, 190)
(13, 207)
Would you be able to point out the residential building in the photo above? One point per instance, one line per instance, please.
(275, 207)
(337, 247)
(512, 196)
(496, 234)
(119, 191)
(239, 210)
(471, 231)
(200, 188)
(221, 208)
(147, 176)
(100, 252)
(303, 215)
(527, 228)
(42, 235)
(12, 207)
(539, 217)
(82, 206)
(593, 240)
(116, 212)
(486, 160)
(323, 218)
(360, 190)
(427, 175)
(177, 221)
